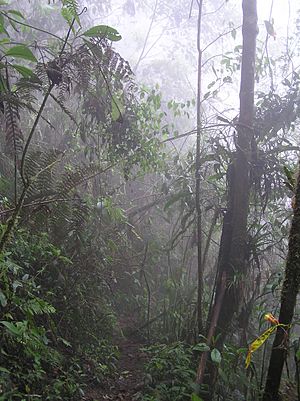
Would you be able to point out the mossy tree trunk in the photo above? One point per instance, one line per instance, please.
(289, 294)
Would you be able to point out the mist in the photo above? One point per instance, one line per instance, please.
(149, 200)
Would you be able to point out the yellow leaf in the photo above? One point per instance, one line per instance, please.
(248, 359)
(258, 343)
(262, 338)
(270, 318)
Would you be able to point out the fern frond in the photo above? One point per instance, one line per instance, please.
(68, 218)
(70, 11)
(64, 108)
(6, 166)
(13, 133)
(40, 169)
(41, 72)
(72, 179)
(7, 170)
(72, 6)
(64, 87)
(80, 214)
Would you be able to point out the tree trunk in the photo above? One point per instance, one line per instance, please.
(198, 177)
(289, 294)
(232, 254)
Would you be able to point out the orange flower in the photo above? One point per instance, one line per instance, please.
(270, 318)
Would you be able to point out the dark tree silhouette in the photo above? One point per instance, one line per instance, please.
(289, 294)
(232, 254)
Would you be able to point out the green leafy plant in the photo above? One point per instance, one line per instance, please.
(171, 373)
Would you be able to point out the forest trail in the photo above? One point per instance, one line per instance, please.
(129, 380)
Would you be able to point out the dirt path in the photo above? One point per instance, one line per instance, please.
(130, 378)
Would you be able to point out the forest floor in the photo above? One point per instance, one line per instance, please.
(129, 379)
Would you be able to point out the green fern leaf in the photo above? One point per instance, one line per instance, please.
(13, 133)
(70, 11)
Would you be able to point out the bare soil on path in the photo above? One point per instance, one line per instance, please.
(129, 381)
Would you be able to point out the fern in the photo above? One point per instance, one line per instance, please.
(41, 72)
(79, 215)
(6, 172)
(64, 108)
(40, 169)
(72, 6)
(13, 133)
(67, 15)
(73, 178)
(24, 93)
(95, 71)
(70, 12)
(68, 218)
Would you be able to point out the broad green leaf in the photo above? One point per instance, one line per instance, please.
(174, 198)
(201, 347)
(11, 327)
(13, 25)
(3, 300)
(4, 370)
(290, 175)
(103, 31)
(65, 342)
(117, 108)
(2, 29)
(216, 356)
(195, 397)
(38, 306)
(21, 51)
(24, 71)
(16, 13)
(16, 284)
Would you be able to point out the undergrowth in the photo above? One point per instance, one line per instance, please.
(36, 361)
(170, 372)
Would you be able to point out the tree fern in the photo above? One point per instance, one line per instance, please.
(41, 170)
(76, 176)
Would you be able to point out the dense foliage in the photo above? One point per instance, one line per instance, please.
(99, 212)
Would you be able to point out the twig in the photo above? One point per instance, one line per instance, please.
(31, 26)
(148, 291)
(147, 37)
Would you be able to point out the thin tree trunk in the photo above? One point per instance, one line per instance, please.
(232, 254)
(289, 294)
(198, 177)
